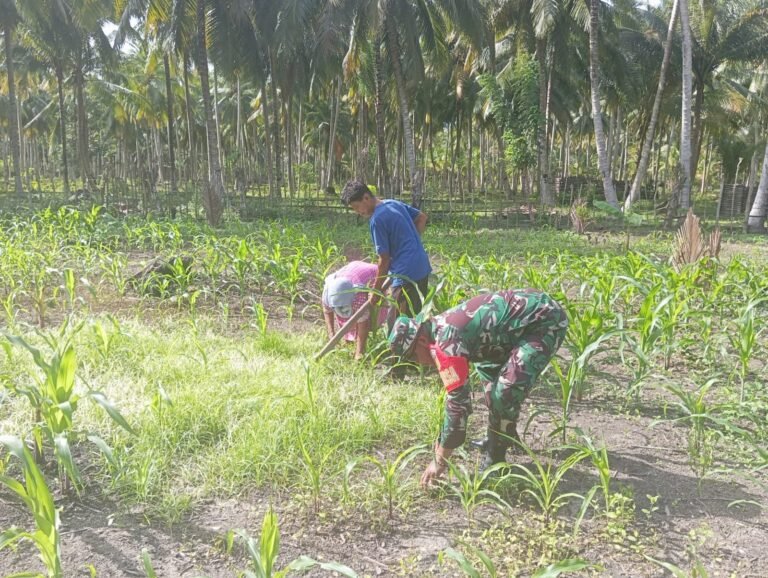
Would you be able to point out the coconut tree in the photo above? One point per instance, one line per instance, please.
(722, 33)
(597, 119)
(401, 30)
(759, 211)
(647, 145)
(10, 20)
(687, 96)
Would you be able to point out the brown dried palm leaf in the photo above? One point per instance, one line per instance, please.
(715, 239)
(689, 245)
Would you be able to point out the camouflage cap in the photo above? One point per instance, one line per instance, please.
(402, 338)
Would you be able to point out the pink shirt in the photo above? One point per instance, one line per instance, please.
(360, 274)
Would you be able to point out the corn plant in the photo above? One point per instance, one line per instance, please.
(37, 497)
(541, 483)
(264, 553)
(42, 292)
(472, 488)
(572, 381)
(587, 332)
(113, 268)
(393, 486)
(315, 470)
(106, 338)
(54, 399)
(700, 416)
(743, 338)
(466, 564)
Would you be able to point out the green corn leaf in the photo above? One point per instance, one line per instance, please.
(11, 536)
(147, 562)
(105, 449)
(569, 565)
(269, 546)
(340, 568)
(676, 571)
(101, 399)
(36, 355)
(462, 561)
(64, 457)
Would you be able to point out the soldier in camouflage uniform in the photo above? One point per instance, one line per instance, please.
(510, 336)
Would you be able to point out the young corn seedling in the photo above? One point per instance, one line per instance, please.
(743, 338)
(587, 332)
(316, 470)
(37, 497)
(106, 338)
(572, 381)
(264, 554)
(54, 400)
(394, 483)
(466, 564)
(113, 267)
(472, 488)
(701, 417)
(541, 482)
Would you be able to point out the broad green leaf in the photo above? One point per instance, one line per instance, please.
(569, 565)
(465, 564)
(101, 399)
(340, 568)
(64, 457)
(105, 449)
(9, 537)
(269, 545)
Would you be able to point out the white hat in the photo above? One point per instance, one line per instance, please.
(339, 293)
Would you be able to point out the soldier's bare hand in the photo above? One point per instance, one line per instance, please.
(432, 473)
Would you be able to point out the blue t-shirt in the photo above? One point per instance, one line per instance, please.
(393, 231)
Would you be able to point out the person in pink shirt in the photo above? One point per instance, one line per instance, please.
(344, 292)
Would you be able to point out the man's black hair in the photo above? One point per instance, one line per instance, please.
(354, 191)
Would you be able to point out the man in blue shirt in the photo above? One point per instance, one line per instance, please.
(396, 230)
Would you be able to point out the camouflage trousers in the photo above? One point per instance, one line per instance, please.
(507, 385)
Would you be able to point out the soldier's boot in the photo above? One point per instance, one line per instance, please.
(495, 451)
(512, 438)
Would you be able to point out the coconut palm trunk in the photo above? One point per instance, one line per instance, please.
(384, 183)
(82, 129)
(171, 132)
(645, 155)
(594, 77)
(13, 118)
(213, 190)
(62, 126)
(685, 126)
(759, 212)
(541, 132)
(393, 47)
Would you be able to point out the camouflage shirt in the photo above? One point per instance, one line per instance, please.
(485, 330)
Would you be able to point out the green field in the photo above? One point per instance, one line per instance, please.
(171, 410)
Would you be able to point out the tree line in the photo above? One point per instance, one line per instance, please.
(446, 98)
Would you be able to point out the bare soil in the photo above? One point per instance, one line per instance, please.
(730, 540)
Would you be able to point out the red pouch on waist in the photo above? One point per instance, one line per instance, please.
(454, 371)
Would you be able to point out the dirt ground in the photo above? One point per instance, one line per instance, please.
(648, 462)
